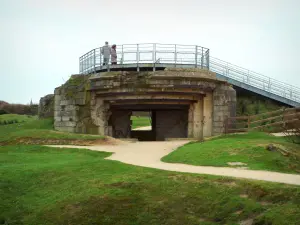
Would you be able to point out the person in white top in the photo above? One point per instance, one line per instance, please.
(113, 54)
(106, 51)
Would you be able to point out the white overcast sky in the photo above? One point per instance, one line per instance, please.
(41, 40)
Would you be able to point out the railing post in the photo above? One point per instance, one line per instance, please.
(122, 60)
(100, 58)
(175, 55)
(137, 57)
(154, 56)
(196, 54)
(79, 64)
(248, 77)
(207, 60)
(202, 57)
(94, 60)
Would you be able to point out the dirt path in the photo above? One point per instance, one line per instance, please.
(148, 154)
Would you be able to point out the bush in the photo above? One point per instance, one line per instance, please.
(2, 112)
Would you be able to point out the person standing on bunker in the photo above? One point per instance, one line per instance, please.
(113, 53)
(105, 51)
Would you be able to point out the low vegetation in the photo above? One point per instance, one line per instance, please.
(35, 131)
(42, 185)
(15, 118)
(250, 149)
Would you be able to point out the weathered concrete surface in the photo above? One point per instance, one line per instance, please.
(224, 105)
(148, 154)
(208, 114)
(95, 104)
(171, 124)
(46, 107)
(72, 106)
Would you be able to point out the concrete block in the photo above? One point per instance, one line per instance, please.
(57, 113)
(64, 102)
(57, 118)
(70, 124)
(70, 108)
(66, 129)
(70, 102)
(80, 95)
(57, 91)
(65, 118)
(58, 123)
(80, 101)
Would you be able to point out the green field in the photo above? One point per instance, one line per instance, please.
(15, 118)
(42, 185)
(34, 128)
(245, 148)
(140, 121)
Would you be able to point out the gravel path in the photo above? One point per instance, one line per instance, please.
(148, 154)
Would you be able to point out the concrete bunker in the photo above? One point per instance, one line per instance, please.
(184, 103)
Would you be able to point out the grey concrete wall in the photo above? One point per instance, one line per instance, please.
(84, 106)
(224, 105)
(207, 114)
(121, 126)
(46, 107)
(171, 124)
(73, 114)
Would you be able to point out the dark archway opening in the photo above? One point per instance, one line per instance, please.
(165, 121)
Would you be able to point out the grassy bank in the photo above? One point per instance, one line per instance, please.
(50, 186)
(38, 131)
(249, 149)
(41, 185)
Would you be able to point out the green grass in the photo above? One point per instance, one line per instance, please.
(246, 148)
(15, 118)
(38, 129)
(41, 185)
(140, 121)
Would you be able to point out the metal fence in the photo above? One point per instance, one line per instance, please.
(155, 54)
(186, 56)
(255, 79)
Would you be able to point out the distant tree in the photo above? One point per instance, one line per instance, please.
(2, 111)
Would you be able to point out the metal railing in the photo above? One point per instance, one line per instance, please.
(255, 79)
(186, 55)
(193, 55)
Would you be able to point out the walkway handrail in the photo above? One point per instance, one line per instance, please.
(255, 79)
(188, 55)
(149, 53)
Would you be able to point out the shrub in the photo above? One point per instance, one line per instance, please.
(2, 112)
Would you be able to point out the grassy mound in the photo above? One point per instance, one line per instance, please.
(248, 149)
(35, 131)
